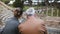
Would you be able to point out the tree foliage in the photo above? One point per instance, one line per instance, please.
(6, 1)
(18, 3)
(30, 2)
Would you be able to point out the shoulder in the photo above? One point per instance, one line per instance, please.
(41, 21)
(12, 20)
(41, 25)
(8, 20)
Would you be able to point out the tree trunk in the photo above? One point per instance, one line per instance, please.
(46, 2)
(30, 2)
(38, 2)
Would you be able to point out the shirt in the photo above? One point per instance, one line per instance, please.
(11, 26)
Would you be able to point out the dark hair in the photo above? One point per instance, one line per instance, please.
(19, 11)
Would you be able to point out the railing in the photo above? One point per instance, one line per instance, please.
(49, 11)
(53, 31)
(44, 12)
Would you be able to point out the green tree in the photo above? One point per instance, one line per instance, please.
(46, 2)
(30, 2)
(18, 3)
(6, 1)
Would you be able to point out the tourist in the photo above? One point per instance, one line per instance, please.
(11, 26)
(32, 25)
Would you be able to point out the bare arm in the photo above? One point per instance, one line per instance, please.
(42, 28)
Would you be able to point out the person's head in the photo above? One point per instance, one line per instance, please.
(30, 11)
(18, 12)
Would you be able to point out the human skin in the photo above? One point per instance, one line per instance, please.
(32, 26)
